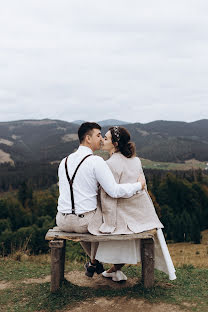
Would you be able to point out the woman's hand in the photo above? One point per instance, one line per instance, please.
(142, 180)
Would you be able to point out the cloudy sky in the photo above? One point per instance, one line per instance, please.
(133, 60)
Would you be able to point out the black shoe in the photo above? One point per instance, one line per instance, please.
(99, 268)
(89, 269)
(92, 268)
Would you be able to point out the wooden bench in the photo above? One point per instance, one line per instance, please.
(58, 242)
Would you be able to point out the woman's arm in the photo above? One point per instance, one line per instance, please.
(107, 181)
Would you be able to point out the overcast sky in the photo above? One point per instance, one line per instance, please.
(133, 60)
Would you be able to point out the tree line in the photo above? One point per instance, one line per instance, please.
(40, 175)
(183, 205)
(180, 199)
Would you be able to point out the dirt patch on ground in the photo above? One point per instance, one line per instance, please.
(103, 304)
(98, 281)
(80, 279)
(37, 280)
(123, 304)
(4, 285)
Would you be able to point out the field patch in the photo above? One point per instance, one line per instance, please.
(70, 137)
(5, 157)
(6, 142)
(186, 165)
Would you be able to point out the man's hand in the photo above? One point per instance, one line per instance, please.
(142, 180)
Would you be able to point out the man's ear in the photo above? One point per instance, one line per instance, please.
(88, 139)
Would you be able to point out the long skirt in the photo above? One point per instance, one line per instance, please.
(129, 252)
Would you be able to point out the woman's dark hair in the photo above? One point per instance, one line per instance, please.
(121, 136)
(86, 128)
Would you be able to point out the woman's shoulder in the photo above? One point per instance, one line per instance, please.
(138, 159)
(114, 157)
(120, 157)
(117, 161)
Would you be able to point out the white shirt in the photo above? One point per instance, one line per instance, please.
(92, 172)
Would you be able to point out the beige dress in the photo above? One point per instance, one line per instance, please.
(127, 216)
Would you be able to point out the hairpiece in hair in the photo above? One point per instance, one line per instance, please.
(116, 132)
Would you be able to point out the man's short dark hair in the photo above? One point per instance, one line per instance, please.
(86, 129)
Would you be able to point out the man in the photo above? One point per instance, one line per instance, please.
(80, 174)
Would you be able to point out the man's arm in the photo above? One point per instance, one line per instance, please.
(106, 179)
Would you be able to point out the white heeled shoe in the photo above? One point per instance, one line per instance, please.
(106, 274)
(119, 276)
(116, 276)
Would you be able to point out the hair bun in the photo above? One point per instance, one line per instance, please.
(125, 146)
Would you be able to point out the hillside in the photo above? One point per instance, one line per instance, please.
(50, 140)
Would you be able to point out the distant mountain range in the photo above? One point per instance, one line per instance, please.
(105, 123)
(51, 140)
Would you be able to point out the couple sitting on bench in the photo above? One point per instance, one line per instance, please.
(108, 198)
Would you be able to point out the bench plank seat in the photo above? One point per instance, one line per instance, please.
(76, 237)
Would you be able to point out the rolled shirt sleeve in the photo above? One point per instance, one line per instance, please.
(106, 179)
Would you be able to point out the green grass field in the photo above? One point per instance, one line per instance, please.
(189, 288)
(187, 165)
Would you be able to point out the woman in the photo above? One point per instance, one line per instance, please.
(126, 216)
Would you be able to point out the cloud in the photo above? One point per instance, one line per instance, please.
(130, 60)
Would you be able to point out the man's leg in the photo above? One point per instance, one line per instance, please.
(90, 249)
(94, 265)
(73, 223)
(87, 248)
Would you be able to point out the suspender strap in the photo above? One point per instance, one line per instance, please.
(72, 180)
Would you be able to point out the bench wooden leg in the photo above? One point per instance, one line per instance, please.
(63, 260)
(57, 263)
(147, 255)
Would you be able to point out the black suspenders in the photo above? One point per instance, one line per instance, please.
(72, 180)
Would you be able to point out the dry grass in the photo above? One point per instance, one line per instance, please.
(190, 254)
(21, 256)
(181, 254)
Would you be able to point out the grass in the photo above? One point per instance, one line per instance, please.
(189, 290)
(190, 287)
(11, 270)
(189, 254)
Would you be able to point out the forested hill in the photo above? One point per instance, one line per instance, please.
(50, 140)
